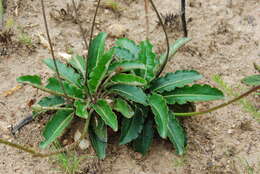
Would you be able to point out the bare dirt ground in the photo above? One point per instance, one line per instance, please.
(225, 41)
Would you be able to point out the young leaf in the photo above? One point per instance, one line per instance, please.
(124, 108)
(130, 92)
(96, 50)
(148, 58)
(99, 72)
(131, 127)
(54, 85)
(144, 140)
(173, 80)
(193, 93)
(128, 79)
(125, 66)
(51, 101)
(81, 108)
(123, 53)
(99, 128)
(160, 111)
(56, 126)
(98, 145)
(65, 72)
(252, 80)
(128, 45)
(174, 48)
(29, 79)
(105, 112)
(176, 134)
(78, 62)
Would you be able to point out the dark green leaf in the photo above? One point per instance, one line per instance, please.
(79, 63)
(98, 145)
(128, 79)
(125, 66)
(131, 127)
(176, 134)
(130, 92)
(65, 72)
(99, 72)
(124, 108)
(144, 140)
(54, 84)
(100, 128)
(174, 48)
(160, 111)
(123, 53)
(105, 112)
(56, 126)
(36, 80)
(51, 101)
(128, 45)
(148, 58)
(193, 93)
(81, 108)
(96, 50)
(173, 80)
(252, 80)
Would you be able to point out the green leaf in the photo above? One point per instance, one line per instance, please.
(81, 108)
(123, 53)
(56, 126)
(174, 48)
(124, 108)
(176, 134)
(105, 112)
(130, 92)
(54, 84)
(99, 72)
(131, 127)
(51, 101)
(125, 66)
(100, 128)
(160, 111)
(128, 45)
(30, 79)
(148, 58)
(193, 93)
(173, 80)
(96, 50)
(65, 72)
(128, 79)
(98, 145)
(79, 63)
(145, 139)
(253, 80)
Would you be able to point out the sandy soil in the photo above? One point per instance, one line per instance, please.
(225, 41)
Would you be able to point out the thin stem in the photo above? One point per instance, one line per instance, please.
(146, 19)
(183, 19)
(86, 45)
(219, 106)
(51, 47)
(166, 37)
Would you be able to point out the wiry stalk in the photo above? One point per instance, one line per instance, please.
(146, 19)
(51, 47)
(166, 37)
(183, 19)
(219, 106)
(86, 45)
